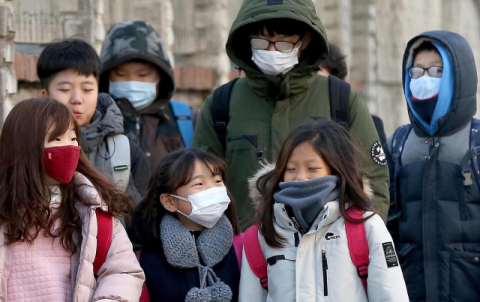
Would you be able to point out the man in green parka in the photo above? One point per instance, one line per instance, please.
(280, 44)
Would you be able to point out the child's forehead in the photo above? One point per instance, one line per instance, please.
(428, 56)
(73, 76)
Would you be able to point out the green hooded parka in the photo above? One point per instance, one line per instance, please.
(264, 109)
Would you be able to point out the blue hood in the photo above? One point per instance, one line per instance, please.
(445, 94)
(457, 102)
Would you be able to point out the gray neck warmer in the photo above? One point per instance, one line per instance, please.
(183, 251)
(307, 198)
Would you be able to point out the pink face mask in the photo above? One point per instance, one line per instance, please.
(61, 162)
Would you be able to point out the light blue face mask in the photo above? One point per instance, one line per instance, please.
(140, 94)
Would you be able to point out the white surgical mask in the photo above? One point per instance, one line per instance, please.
(425, 87)
(207, 206)
(275, 62)
(139, 94)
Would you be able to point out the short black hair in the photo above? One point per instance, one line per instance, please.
(335, 63)
(73, 54)
(281, 26)
(425, 46)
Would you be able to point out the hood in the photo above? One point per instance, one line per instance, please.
(106, 121)
(258, 198)
(457, 99)
(137, 40)
(252, 11)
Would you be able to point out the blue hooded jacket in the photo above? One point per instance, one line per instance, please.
(435, 214)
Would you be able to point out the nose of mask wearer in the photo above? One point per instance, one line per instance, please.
(139, 94)
(425, 87)
(208, 206)
(275, 62)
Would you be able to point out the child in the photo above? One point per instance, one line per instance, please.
(69, 71)
(302, 231)
(187, 226)
(51, 201)
(435, 214)
(139, 76)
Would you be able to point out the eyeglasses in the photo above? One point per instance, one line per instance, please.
(281, 46)
(417, 72)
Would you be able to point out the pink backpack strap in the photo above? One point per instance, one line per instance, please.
(358, 244)
(238, 247)
(104, 238)
(254, 254)
(144, 297)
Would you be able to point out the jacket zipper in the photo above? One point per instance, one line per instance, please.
(428, 207)
(325, 268)
(137, 126)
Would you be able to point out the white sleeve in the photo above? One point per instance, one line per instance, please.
(385, 278)
(250, 287)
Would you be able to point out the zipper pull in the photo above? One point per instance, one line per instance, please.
(137, 125)
(263, 162)
(324, 260)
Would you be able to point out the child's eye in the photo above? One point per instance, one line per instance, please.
(74, 139)
(64, 90)
(144, 75)
(219, 181)
(198, 184)
(88, 90)
(58, 139)
(313, 168)
(290, 169)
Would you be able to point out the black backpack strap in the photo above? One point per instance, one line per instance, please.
(398, 142)
(339, 100)
(470, 163)
(220, 110)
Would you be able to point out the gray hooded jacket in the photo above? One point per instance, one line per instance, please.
(108, 121)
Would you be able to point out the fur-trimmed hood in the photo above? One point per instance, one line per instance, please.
(257, 197)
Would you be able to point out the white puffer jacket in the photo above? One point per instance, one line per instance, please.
(300, 276)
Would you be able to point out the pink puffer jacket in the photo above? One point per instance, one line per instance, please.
(120, 277)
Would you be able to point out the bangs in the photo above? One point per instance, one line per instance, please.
(184, 166)
(60, 120)
(286, 27)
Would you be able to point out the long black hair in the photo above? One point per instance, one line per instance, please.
(337, 148)
(176, 170)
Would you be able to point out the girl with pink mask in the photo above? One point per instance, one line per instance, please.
(51, 207)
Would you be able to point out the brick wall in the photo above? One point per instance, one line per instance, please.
(8, 83)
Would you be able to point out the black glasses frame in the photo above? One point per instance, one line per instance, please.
(424, 69)
(275, 45)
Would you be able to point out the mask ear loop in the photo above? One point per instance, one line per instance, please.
(184, 199)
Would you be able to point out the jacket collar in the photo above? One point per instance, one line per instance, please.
(89, 196)
(280, 87)
(107, 121)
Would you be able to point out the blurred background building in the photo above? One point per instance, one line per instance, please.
(373, 33)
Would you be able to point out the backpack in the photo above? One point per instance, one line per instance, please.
(470, 163)
(120, 160)
(237, 246)
(339, 92)
(357, 244)
(119, 145)
(183, 116)
(104, 239)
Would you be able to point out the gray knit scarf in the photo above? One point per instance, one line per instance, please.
(307, 198)
(182, 251)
